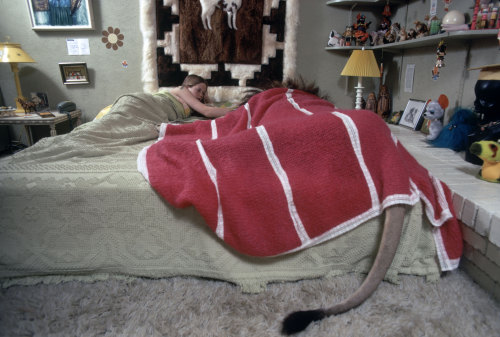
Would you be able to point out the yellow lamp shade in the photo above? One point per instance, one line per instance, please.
(13, 53)
(362, 63)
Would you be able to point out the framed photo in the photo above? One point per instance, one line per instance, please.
(61, 15)
(394, 117)
(412, 115)
(41, 101)
(74, 73)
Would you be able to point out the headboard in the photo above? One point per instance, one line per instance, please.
(233, 44)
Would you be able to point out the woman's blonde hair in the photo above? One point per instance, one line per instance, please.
(192, 80)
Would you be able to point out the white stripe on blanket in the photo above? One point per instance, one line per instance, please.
(287, 189)
(214, 129)
(294, 104)
(352, 130)
(212, 173)
(249, 116)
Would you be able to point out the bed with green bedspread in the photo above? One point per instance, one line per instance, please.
(75, 206)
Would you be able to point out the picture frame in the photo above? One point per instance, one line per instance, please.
(46, 15)
(41, 101)
(74, 73)
(412, 115)
(394, 117)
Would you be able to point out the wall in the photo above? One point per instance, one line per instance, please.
(324, 67)
(109, 79)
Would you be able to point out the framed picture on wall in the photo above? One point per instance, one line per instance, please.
(61, 15)
(74, 73)
(412, 115)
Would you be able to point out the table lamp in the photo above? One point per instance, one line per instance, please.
(361, 63)
(13, 54)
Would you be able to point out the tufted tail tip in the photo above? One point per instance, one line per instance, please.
(299, 320)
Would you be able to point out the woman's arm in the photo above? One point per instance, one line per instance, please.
(208, 111)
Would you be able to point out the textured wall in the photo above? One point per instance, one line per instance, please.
(324, 67)
(108, 77)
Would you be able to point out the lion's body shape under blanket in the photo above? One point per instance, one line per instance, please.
(289, 170)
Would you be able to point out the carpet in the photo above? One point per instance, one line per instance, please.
(453, 306)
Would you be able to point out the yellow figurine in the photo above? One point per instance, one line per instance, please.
(489, 152)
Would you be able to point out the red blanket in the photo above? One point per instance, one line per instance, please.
(288, 170)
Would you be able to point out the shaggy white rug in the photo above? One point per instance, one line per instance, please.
(453, 306)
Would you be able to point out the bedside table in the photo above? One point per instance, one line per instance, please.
(32, 119)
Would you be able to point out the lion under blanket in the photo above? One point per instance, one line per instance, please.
(288, 170)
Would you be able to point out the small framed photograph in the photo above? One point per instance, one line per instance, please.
(394, 117)
(61, 15)
(41, 101)
(412, 115)
(74, 73)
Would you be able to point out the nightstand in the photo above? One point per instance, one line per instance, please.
(32, 119)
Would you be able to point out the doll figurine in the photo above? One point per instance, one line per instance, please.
(384, 102)
(371, 102)
(434, 112)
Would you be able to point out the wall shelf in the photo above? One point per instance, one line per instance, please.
(427, 40)
(360, 2)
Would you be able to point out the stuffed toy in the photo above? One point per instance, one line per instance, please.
(334, 39)
(489, 152)
(434, 112)
(455, 134)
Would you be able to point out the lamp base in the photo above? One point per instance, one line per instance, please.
(359, 97)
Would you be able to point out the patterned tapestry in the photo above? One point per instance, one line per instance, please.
(234, 43)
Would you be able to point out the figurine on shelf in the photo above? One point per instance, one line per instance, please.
(348, 36)
(392, 34)
(360, 28)
(421, 29)
(377, 37)
(402, 36)
(334, 39)
(371, 102)
(412, 34)
(474, 16)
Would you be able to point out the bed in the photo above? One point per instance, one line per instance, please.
(76, 206)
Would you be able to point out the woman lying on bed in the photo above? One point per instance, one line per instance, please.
(130, 121)
(192, 95)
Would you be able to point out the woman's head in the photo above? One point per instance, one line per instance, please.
(196, 85)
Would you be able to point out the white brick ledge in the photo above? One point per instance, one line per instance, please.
(476, 203)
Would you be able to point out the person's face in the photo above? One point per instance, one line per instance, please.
(199, 90)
